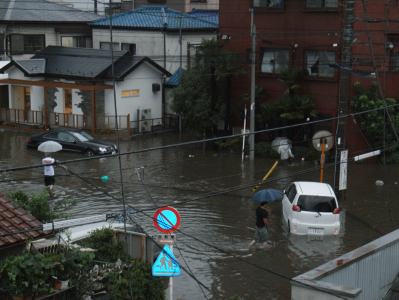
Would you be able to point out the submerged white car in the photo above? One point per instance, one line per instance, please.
(311, 208)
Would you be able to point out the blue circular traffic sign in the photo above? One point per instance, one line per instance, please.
(167, 219)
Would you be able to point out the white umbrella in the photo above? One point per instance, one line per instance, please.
(49, 147)
(280, 142)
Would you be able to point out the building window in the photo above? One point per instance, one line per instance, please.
(1, 44)
(157, 1)
(269, 3)
(321, 4)
(107, 46)
(129, 47)
(318, 63)
(26, 44)
(274, 61)
(392, 46)
(76, 41)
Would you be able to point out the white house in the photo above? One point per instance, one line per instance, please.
(30, 25)
(167, 36)
(72, 87)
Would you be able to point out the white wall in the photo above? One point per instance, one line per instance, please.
(150, 43)
(15, 100)
(141, 78)
(36, 98)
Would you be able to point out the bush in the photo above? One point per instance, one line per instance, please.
(134, 281)
(229, 144)
(27, 274)
(37, 205)
(108, 248)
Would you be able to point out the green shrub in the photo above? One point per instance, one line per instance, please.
(134, 281)
(38, 205)
(108, 248)
(27, 274)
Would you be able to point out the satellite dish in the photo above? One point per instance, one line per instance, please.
(323, 136)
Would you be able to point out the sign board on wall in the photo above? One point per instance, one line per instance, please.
(343, 170)
(131, 93)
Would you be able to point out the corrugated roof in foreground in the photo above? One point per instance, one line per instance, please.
(41, 11)
(158, 17)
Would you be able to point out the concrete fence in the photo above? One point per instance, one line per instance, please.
(365, 273)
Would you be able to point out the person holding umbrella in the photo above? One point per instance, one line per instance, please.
(262, 222)
(49, 174)
(48, 163)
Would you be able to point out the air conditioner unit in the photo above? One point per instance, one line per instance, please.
(146, 121)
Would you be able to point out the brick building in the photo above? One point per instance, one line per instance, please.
(307, 35)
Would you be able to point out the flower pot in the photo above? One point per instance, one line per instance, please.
(61, 284)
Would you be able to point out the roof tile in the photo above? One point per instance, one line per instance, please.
(158, 17)
(16, 224)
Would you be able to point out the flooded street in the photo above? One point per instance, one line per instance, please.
(226, 221)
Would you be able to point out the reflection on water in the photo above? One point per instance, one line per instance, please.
(227, 221)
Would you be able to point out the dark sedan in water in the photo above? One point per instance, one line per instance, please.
(74, 140)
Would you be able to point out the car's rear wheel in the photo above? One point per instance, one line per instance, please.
(89, 152)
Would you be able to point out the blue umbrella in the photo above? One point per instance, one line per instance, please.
(267, 195)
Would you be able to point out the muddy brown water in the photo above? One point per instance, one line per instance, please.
(226, 221)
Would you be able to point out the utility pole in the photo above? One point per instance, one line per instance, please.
(252, 107)
(344, 86)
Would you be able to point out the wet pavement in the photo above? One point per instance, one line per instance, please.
(190, 174)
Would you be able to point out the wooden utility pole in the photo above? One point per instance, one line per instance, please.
(345, 79)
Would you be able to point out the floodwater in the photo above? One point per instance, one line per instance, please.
(225, 222)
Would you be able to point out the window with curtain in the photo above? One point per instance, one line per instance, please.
(274, 61)
(318, 63)
(26, 43)
(269, 3)
(321, 3)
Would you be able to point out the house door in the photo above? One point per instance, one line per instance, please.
(4, 96)
(27, 105)
(67, 101)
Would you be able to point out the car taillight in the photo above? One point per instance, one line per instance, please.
(296, 208)
(337, 210)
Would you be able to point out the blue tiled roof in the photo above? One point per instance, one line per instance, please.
(156, 18)
(175, 79)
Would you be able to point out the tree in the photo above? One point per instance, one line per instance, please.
(293, 106)
(372, 123)
(200, 98)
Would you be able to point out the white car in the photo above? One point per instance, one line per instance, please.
(311, 208)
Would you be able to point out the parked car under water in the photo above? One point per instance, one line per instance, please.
(74, 141)
(311, 208)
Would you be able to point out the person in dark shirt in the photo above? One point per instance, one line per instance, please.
(262, 221)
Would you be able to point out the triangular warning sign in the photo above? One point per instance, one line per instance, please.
(166, 264)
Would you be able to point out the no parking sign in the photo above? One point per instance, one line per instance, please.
(167, 219)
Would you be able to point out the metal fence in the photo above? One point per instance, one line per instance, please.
(20, 116)
(30, 117)
(169, 122)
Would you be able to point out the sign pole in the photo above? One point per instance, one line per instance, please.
(243, 137)
(322, 159)
(171, 281)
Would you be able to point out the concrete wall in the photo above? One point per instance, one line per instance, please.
(150, 43)
(364, 273)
